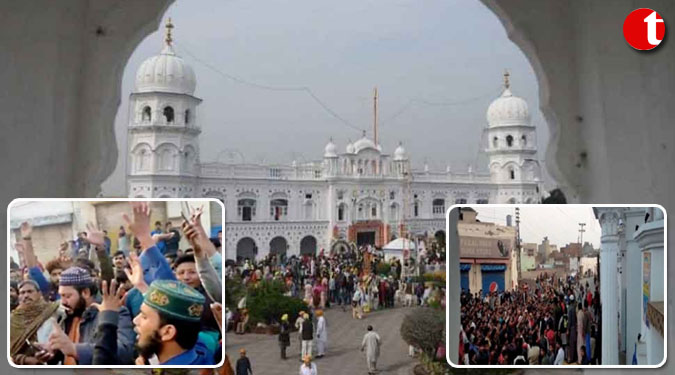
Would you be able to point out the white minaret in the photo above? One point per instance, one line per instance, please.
(512, 141)
(163, 134)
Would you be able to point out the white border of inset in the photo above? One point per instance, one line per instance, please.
(448, 350)
(18, 200)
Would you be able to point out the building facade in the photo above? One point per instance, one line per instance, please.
(632, 266)
(361, 194)
(488, 255)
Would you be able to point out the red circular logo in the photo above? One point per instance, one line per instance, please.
(493, 287)
(644, 29)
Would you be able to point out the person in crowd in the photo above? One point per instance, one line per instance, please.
(307, 336)
(321, 334)
(31, 322)
(371, 345)
(284, 335)
(243, 366)
(308, 367)
(123, 241)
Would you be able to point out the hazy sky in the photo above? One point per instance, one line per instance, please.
(559, 222)
(437, 65)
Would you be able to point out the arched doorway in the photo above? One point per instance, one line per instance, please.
(246, 249)
(440, 238)
(308, 246)
(278, 246)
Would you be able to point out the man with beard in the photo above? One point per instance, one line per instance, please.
(31, 321)
(75, 338)
(168, 325)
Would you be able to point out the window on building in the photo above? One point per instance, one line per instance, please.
(341, 212)
(438, 206)
(512, 174)
(278, 209)
(187, 116)
(246, 209)
(481, 201)
(275, 172)
(373, 211)
(147, 114)
(308, 196)
(509, 140)
(168, 114)
(460, 201)
(340, 194)
(392, 195)
(524, 140)
(416, 209)
(495, 142)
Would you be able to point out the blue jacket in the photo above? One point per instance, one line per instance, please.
(198, 355)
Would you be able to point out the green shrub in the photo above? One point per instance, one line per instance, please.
(267, 303)
(424, 328)
(234, 292)
(383, 268)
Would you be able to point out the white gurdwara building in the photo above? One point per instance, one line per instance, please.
(361, 195)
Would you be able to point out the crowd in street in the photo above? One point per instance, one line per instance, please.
(346, 280)
(149, 303)
(552, 321)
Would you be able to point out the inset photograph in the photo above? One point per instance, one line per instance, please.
(556, 285)
(115, 283)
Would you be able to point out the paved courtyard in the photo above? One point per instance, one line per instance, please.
(343, 355)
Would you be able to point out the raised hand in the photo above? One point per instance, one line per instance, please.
(140, 225)
(26, 230)
(197, 236)
(95, 235)
(135, 273)
(112, 299)
(217, 310)
(58, 340)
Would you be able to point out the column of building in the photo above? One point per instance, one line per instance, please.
(609, 247)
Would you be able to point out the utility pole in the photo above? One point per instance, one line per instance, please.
(375, 117)
(581, 233)
(518, 242)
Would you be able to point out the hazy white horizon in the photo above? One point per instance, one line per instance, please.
(560, 223)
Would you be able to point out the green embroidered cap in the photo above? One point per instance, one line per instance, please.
(175, 299)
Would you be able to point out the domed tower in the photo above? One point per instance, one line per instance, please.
(400, 160)
(163, 134)
(330, 159)
(512, 145)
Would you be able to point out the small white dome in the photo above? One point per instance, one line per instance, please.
(350, 148)
(399, 153)
(166, 72)
(331, 150)
(363, 144)
(508, 110)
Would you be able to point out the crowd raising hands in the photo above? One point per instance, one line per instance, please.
(151, 306)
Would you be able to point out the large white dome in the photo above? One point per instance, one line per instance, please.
(508, 110)
(166, 72)
(363, 144)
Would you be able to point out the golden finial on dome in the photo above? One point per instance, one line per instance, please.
(507, 84)
(168, 26)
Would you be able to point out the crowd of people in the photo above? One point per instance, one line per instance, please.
(552, 321)
(149, 303)
(346, 280)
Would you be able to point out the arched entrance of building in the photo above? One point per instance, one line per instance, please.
(440, 238)
(246, 249)
(278, 246)
(308, 245)
(341, 246)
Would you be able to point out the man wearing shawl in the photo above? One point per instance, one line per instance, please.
(31, 321)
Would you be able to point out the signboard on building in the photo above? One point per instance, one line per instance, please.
(646, 267)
